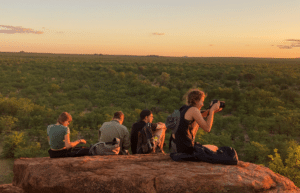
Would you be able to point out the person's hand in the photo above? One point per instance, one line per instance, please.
(220, 109)
(83, 141)
(215, 106)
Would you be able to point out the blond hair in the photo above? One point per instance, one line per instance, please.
(193, 95)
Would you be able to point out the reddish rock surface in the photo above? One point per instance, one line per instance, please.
(9, 188)
(143, 173)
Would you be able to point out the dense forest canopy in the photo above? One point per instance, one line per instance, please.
(262, 99)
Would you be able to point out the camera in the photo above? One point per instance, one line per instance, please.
(222, 104)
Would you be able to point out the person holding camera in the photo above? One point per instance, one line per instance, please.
(191, 119)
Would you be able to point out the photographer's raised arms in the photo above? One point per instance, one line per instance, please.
(147, 137)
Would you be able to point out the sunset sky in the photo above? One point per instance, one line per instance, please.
(194, 28)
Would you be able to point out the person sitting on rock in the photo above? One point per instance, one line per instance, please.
(190, 120)
(59, 138)
(115, 129)
(158, 130)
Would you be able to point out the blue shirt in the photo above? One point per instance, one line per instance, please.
(57, 134)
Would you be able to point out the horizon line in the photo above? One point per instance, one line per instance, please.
(150, 55)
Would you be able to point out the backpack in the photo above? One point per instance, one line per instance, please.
(147, 143)
(106, 148)
(172, 121)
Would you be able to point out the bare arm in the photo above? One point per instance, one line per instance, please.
(197, 116)
(205, 113)
(205, 125)
(69, 144)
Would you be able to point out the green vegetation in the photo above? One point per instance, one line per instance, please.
(6, 169)
(262, 100)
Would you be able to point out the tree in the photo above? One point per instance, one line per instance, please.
(164, 77)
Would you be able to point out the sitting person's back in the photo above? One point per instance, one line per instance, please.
(56, 133)
(59, 139)
(115, 129)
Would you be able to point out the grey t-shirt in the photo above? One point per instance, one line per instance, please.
(57, 134)
(114, 129)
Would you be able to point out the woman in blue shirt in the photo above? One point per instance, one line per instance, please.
(59, 138)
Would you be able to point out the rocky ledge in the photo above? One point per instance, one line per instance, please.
(143, 173)
(9, 188)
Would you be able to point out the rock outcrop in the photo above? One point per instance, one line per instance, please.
(9, 188)
(143, 173)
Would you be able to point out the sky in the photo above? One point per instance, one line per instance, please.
(193, 28)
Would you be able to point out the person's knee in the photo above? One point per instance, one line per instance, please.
(211, 147)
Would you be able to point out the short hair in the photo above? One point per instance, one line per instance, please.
(118, 115)
(194, 95)
(145, 113)
(65, 116)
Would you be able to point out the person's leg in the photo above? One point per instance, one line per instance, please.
(211, 147)
(57, 154)
(160, 134)
(78, 152)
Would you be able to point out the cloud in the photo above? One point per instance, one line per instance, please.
(293, 40)
(284, 47)
(158, 34)
(292, 43)
(7, 29)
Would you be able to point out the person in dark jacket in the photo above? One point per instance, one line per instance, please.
(159, 129)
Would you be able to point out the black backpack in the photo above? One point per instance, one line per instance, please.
(147, 143)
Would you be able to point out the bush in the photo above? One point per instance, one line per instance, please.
(33, 150)
(17, 145)
(12, 142)
(291, 167)
(7, 123)
(256, 152)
